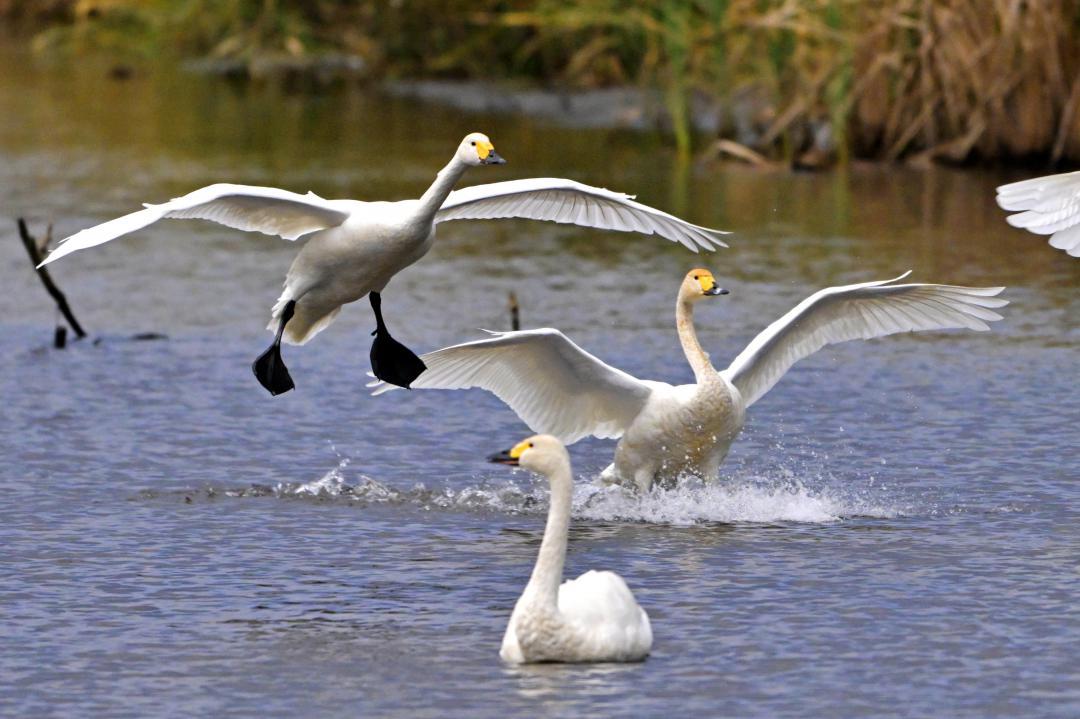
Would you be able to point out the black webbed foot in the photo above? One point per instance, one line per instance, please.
(271, 371)
(269, 368)
(393, 362)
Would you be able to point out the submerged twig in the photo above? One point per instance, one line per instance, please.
(35, 252)
(515, 318)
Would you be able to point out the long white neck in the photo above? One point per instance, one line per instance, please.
(436, 195)
(695, 355)
(543, 587)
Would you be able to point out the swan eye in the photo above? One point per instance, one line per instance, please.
(531, 445)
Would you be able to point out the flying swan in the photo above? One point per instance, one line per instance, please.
(357, 247)
(1046, 206)
(666, 431)
(593, 618)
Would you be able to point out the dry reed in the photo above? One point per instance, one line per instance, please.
(952, 80)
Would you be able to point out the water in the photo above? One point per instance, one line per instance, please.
(896, 534)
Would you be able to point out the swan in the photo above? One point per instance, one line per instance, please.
(356, 247)
(593, 618)
(666, 431)
(1046, 206)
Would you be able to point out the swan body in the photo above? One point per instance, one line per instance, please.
(1046, 206)
(667, 431)
(355, 248)
(343, 264)
(593, 618)
(681, 430)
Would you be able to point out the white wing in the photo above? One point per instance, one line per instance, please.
(553, 385)
(851, 312)
(1046, 206)
(569, 202)
(604, 610)
(244, 207)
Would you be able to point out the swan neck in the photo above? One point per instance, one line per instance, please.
(695, 355)
(440, 189)
(547, 575)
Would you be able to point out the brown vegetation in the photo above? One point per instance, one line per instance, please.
(952, 80)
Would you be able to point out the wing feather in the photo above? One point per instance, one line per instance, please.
(1046, 206)
(861, 311)
(553, 385)
(243, 207)
(569, 202)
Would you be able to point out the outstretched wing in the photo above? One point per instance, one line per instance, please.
(1046, 206)
(244, 207)
(569, 202)
(851, 312)
(553, 385)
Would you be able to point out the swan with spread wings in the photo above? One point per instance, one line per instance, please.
(355, 247)
(667, 431)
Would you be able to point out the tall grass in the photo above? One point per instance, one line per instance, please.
(953, 80)
(945, 79)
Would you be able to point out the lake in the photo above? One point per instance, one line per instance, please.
(897, 531)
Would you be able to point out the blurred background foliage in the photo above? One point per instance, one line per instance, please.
(946, 80)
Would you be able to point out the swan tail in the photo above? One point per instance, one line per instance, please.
(307, 321)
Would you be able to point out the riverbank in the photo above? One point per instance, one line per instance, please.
(822, 80)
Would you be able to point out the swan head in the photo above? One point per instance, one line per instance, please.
(476, 149)
(540, 453)
(699, 283)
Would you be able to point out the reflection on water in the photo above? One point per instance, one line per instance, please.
(896, 532)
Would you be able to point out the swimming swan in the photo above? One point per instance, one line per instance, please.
(1046, 206)
(357, 247)
(593, 618)
(558, 388)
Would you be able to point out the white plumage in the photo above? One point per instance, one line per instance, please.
(593, 618)
(569, 202)
(1046, 206)
(557, 388)
(355, 248)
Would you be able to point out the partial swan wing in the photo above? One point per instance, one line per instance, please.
(244, 207)
(569, 202)
(1046, 206)
(852, 312)
(605, 612)
(553, 385)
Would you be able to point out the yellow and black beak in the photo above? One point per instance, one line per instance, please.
(709, 288)
(504, 457)
(510, 456)
(486, 152)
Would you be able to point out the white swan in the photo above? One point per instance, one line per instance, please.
(357, 247)
(593, 618)
(1046, 206)
(666, 431)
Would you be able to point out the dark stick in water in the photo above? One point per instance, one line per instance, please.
(515, 319)
(35, 256)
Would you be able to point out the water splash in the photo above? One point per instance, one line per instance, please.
(752, 499)
(787, 497)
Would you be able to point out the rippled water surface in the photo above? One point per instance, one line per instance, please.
(896, 534)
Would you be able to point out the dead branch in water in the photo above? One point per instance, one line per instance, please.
(35, 251)
(515, 318)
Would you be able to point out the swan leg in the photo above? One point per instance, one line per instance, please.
(609, 476)
(269, 368)
(643, 478)
(391, 361)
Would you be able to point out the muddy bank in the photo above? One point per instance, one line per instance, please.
(745, 118)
